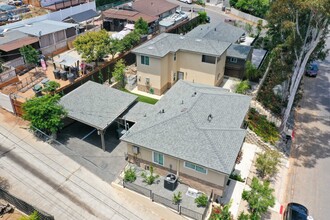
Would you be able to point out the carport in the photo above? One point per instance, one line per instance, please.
(97, 105)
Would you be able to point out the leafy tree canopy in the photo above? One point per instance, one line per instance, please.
(141, 26)
(44, 113)
(267, 163)
(51, 87)
(93, 45)
(119, 72)
(259, 198)
(258, 8)
(30, 55)
(33, 216)
(202, 16)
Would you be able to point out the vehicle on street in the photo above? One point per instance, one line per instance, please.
(208, 19)
(296, 211)
(312, 70)
(186, 1)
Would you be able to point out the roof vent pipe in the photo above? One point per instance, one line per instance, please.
(210, 117)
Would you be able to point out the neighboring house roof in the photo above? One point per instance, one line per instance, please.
(12, 40)
(83, 16)
(45, 27)
(153, 7)
(166, 43)
(184, 131)
(239, 51)
(220, 32)
(67, 58)
(128, 15)
(96, 105)
(138, 111)
(258, 56)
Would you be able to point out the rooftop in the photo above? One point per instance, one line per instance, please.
(219, 32)
(83, 16)
(153, 7)
(166, 43)
(45, 27)
(96, 105)
(129, 15)
(195, 123)
(239, 51)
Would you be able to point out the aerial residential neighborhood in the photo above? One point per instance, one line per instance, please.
(164, 109)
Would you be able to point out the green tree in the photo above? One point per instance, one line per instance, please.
(201, 200)
(242, 87)
(267, 163)
(225, 214)
(30, 55)
(33, 216)
(251, 72)
(259, 198)
(202, 16)
(130, 40)
(51, 87)
(44, 113)
(119, 72)
(93, 45)
(257, 8)
(298, 30)
(243, 216)
(115, 46)
(141, 26)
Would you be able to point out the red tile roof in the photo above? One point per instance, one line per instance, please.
(128, 15)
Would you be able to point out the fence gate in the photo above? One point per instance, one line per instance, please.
(5, 102)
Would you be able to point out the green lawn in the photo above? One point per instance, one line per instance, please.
(142, 98)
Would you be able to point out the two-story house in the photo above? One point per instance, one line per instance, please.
(194, 131)
(170, 57)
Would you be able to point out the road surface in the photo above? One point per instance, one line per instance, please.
(310, 176)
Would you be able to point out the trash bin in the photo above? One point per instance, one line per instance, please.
(57, 74)
(64, 75)
(38, 90)
(71, 77)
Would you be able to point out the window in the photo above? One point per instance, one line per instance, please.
(208, 59)
(195, 167)
(158, 158)
(233, 60)
(145, 60)
(174, 56)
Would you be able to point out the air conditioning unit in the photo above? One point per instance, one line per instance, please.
(136, 150)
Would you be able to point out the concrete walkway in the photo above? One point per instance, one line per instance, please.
(136, 91)
(51, 181)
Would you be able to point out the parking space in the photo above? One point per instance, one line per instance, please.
(83, 144)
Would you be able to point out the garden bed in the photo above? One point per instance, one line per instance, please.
(266, 130)
(142, 98)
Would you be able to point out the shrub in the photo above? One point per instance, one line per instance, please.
(236, 176)
(177, 198)
(201, 200)
(151, 178)
(251, 72)
(33, 216)
(263, 128)
(242, 87)
(267, 163)
(130, 175)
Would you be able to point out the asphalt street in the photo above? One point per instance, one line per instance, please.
(310, 176)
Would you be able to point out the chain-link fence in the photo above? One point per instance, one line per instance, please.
(24, 206)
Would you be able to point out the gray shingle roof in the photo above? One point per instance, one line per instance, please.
(239, 51)
(184, 131)
(11, 36)
(83, 16)
(166, 43)
(219, 32)
(96, 105)
(45, 27)
(138, 111)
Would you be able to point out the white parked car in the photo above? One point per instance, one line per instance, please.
(186, 1)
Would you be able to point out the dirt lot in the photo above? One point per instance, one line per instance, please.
(12, 216)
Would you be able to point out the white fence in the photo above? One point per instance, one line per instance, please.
(247, 16)
(55, 16)
(5, 102)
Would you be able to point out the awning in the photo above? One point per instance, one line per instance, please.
(18, 43)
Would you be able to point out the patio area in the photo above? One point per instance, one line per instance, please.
(158, 193)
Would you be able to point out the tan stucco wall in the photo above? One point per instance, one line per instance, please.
(194, 69)
(161, 70)
(189, 176)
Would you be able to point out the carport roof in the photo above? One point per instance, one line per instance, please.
(96, 105)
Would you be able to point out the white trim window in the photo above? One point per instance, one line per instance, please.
(195, 167)
(145, 60)
(158, 158)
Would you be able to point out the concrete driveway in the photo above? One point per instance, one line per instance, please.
(82, 143)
